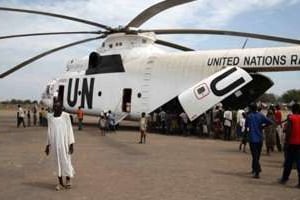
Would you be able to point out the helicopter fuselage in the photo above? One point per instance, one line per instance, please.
(130, 75)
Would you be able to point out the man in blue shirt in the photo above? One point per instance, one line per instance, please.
(255, 122)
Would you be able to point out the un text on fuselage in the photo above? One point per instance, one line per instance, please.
(80, 90)
(258, 60)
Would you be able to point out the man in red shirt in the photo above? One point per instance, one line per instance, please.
(293, 144)
(80, 117)
(278, 120)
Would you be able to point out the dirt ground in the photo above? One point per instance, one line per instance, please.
(117, 167)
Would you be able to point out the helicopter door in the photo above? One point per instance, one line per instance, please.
(126, 101)
(60, 96)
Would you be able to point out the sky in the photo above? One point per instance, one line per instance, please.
(274, 17)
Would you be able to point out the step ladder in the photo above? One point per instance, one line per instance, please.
(120, 116)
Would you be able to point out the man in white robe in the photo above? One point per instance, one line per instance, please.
(60, 140)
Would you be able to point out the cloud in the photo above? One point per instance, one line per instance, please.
(199, 14)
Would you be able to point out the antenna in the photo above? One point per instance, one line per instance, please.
(245, 43)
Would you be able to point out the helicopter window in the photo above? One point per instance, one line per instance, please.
(121, 44)
(139, 95)
(104, 64)
(117, 44)
(103, 44)
(99, 93)
(94, 60)
(110, 46)
(144, 41)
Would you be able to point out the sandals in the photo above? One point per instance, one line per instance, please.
(59, 187)
(68, 184)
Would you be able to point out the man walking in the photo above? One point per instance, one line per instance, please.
(292, 145)
(60, 140)
(255, 122)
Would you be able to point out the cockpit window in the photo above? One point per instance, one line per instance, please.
(104, 64)
(94, 60)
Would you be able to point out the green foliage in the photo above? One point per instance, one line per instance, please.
(291, 95)
(268, 98)
(18, 101)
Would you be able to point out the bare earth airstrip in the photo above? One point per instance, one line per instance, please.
(116, 167)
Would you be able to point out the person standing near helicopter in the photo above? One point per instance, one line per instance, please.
(255, 122)
(20, 116)
(80, 118)
(60, 139)
(143, 128)
(292, 145)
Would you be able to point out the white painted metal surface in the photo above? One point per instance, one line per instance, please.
(212, 90)
(160, 76)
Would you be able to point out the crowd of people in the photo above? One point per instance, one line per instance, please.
(107, 122)
(31, 116)
(250, 126)
(285, 132)
(216, 123)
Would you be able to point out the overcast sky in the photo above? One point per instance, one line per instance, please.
(274, 17)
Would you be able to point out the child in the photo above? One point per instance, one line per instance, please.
(102, 124)
(143, 127)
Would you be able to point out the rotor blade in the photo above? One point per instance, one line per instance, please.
(154, 10)
(223, 32)
(26, 62)
(49, 33)
(57, 15)
(173, 45)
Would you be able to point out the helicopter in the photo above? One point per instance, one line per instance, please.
(128, 74)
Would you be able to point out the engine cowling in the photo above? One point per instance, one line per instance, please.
(212, 90)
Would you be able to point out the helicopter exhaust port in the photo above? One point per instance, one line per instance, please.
(248, 93)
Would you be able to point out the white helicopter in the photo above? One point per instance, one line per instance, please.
(128, 74)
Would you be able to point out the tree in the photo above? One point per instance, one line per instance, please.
(291, 95)
(18, 101)
(27, 101)
(268, 98)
